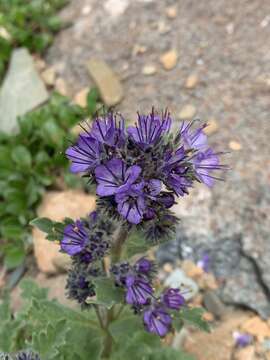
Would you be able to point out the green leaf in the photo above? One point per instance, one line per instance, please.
(22, 156)
(48, 341)
(14, 256)
(125, 327)
(167, 353)
(136, 244)
(194, 317)
(92, 98)
(107, 293)
(30, 290)
(43, 224)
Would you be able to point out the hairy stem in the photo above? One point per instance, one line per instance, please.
(116, 252)
(118, 244)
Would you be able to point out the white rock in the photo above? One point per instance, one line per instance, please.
(116, 7)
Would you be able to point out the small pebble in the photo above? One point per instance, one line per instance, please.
(168, 267)
(138, 49)
(61, 86)
(212, 127)
(191, 81)
(49, 76)
(234, 145)
(171, 12)
(207, 316)
(187, 112)
(169, 59)
(149, 70)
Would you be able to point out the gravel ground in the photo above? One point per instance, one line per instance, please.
(225, 44)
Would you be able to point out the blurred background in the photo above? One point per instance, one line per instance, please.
(61, 60)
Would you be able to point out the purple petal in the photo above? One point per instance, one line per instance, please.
(109, 177)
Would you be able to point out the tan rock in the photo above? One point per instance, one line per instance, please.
(49, 76)
(191, 81)
(171, 12)
(234, 145)
(197, 300)
(247, 353)
(169, 59)
(57, 205)
(107, 82)
(40, 64)
(207, 316)
(191, 270)
(257, 327)
(168, 267)
(81, 97)
(212, 127)
(61, 86)
(187, 112)
(207, 282)
(149, 70)
(217, 345)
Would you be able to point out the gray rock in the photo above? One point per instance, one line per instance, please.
(22, 90)
(107, 82)
(178, 279)
(213, 304)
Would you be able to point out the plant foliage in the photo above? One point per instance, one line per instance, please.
(57, 332)
(28, 23)
(30, 162)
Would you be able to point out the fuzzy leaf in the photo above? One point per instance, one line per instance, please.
(107, 293)
(44, 224)
(22, 156)
(194, 317)
(136, 244)
(167, 353)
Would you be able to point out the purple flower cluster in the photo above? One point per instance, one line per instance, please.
(85, 239)
(137, 281)
(87, 242)
(140, 170)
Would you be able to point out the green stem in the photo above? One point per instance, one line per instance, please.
(117, 246)
(116, 252)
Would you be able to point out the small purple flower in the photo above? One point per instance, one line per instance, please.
(149, 129)
(205, 160)
(157, 320)
(205, 163)
(106, 130)
(138, 290)
(242, 339)
(172, 299)
(152, 188)
(75, 238)
(204, 262)
(143, 266)
(84, 155)
(176, 170)
(114, 176)
(166, 199)
(193, 139)
(93, 216)
(131, 203)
